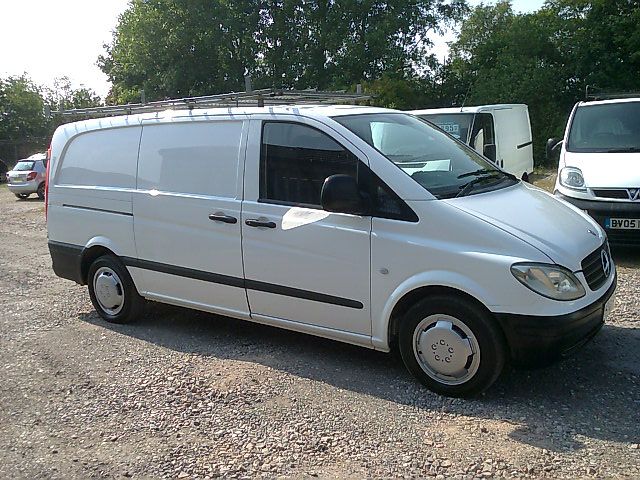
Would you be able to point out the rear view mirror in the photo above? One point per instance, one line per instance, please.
(340, 194)
(489, 151)
(552, 144)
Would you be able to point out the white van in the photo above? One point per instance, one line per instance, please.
(599, 167)
(502, 133)
(328, 220)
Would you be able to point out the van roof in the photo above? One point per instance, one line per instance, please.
(306, 110)
(474, 109)
(613, 100)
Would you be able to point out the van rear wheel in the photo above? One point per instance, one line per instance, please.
(453, 347)
(112, 292)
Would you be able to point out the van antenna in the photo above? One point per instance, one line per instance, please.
(464, 101)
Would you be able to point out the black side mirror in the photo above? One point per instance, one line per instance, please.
(552, 144)
(340, 194)
(489, 151)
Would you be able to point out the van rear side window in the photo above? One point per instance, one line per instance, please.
(195, 158)
(103, 158)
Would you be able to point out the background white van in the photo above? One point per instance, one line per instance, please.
(599, 166)
(502, 133)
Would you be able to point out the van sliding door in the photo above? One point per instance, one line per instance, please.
(187, 208)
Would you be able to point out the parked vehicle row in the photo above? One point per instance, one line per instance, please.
(360, 224)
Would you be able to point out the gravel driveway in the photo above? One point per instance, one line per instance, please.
(186, 394)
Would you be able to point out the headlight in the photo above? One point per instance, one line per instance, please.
(571, 177)
(551, 281)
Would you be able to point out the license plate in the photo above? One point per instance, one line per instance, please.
(622, 223)
(608, 307)
(17, 180)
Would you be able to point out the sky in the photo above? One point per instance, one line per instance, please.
(55, 38)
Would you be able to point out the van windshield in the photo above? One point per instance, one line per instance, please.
(23, 166)
(455, 124)
(444, 167)
(610, 128)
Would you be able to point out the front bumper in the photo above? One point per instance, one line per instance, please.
(536, 340)
(601, 210)
(26, 187)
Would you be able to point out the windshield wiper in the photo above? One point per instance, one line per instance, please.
(623, 150)
(467, 187)
(481, 171)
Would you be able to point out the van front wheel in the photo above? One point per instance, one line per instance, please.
(452, 346)
(112, 292)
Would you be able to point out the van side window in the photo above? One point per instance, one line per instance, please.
(296, 159)
(482, 133)
(106, 158)
(198, 158)
(385, 203)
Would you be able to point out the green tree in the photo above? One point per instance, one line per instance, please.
(22, 120)
(172, 48)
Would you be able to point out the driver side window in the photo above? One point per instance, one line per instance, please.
(296, 159)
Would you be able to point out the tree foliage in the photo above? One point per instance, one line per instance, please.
(24, 127)
(545, 59)
(170, 48)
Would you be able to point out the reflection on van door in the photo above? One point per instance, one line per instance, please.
(187, 214)
(302, 263)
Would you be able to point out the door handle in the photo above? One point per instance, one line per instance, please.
(252, 222)
(221, 217)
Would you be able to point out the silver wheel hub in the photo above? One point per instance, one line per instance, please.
(446, 349)
(108, 290)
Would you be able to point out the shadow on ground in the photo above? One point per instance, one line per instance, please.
(548, 406)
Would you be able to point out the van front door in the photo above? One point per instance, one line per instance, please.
(187, 214)
(303, 264)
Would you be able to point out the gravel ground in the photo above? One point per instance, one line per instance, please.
(190, 395)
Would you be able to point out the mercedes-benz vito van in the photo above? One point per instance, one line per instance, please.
(359, 224)
(599, 167)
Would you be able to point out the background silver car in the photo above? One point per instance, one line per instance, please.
(28, 176)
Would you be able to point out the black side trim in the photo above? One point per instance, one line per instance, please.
(241, 283)
(305, 294)
(522, 145)
(184, 272)
(66, 260)
(81, 207)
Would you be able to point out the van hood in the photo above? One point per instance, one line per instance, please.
(606, 170)
(559, 230)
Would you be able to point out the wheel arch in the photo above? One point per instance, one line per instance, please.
(89, 255)
(413, 296)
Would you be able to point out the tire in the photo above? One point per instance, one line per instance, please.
(112, 292)
(22, 196)
(40, 191)
(447, 325)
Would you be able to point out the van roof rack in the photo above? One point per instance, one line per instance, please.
(592, 95)
(252, 98)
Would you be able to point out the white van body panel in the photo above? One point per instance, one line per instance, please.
(601, 170)
(90, 195)
(310, 249)
(187, 170)
(467, 244)
(512, 126)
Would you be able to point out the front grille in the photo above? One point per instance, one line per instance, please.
(593, 269)
(611, 193)
(624, 238)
